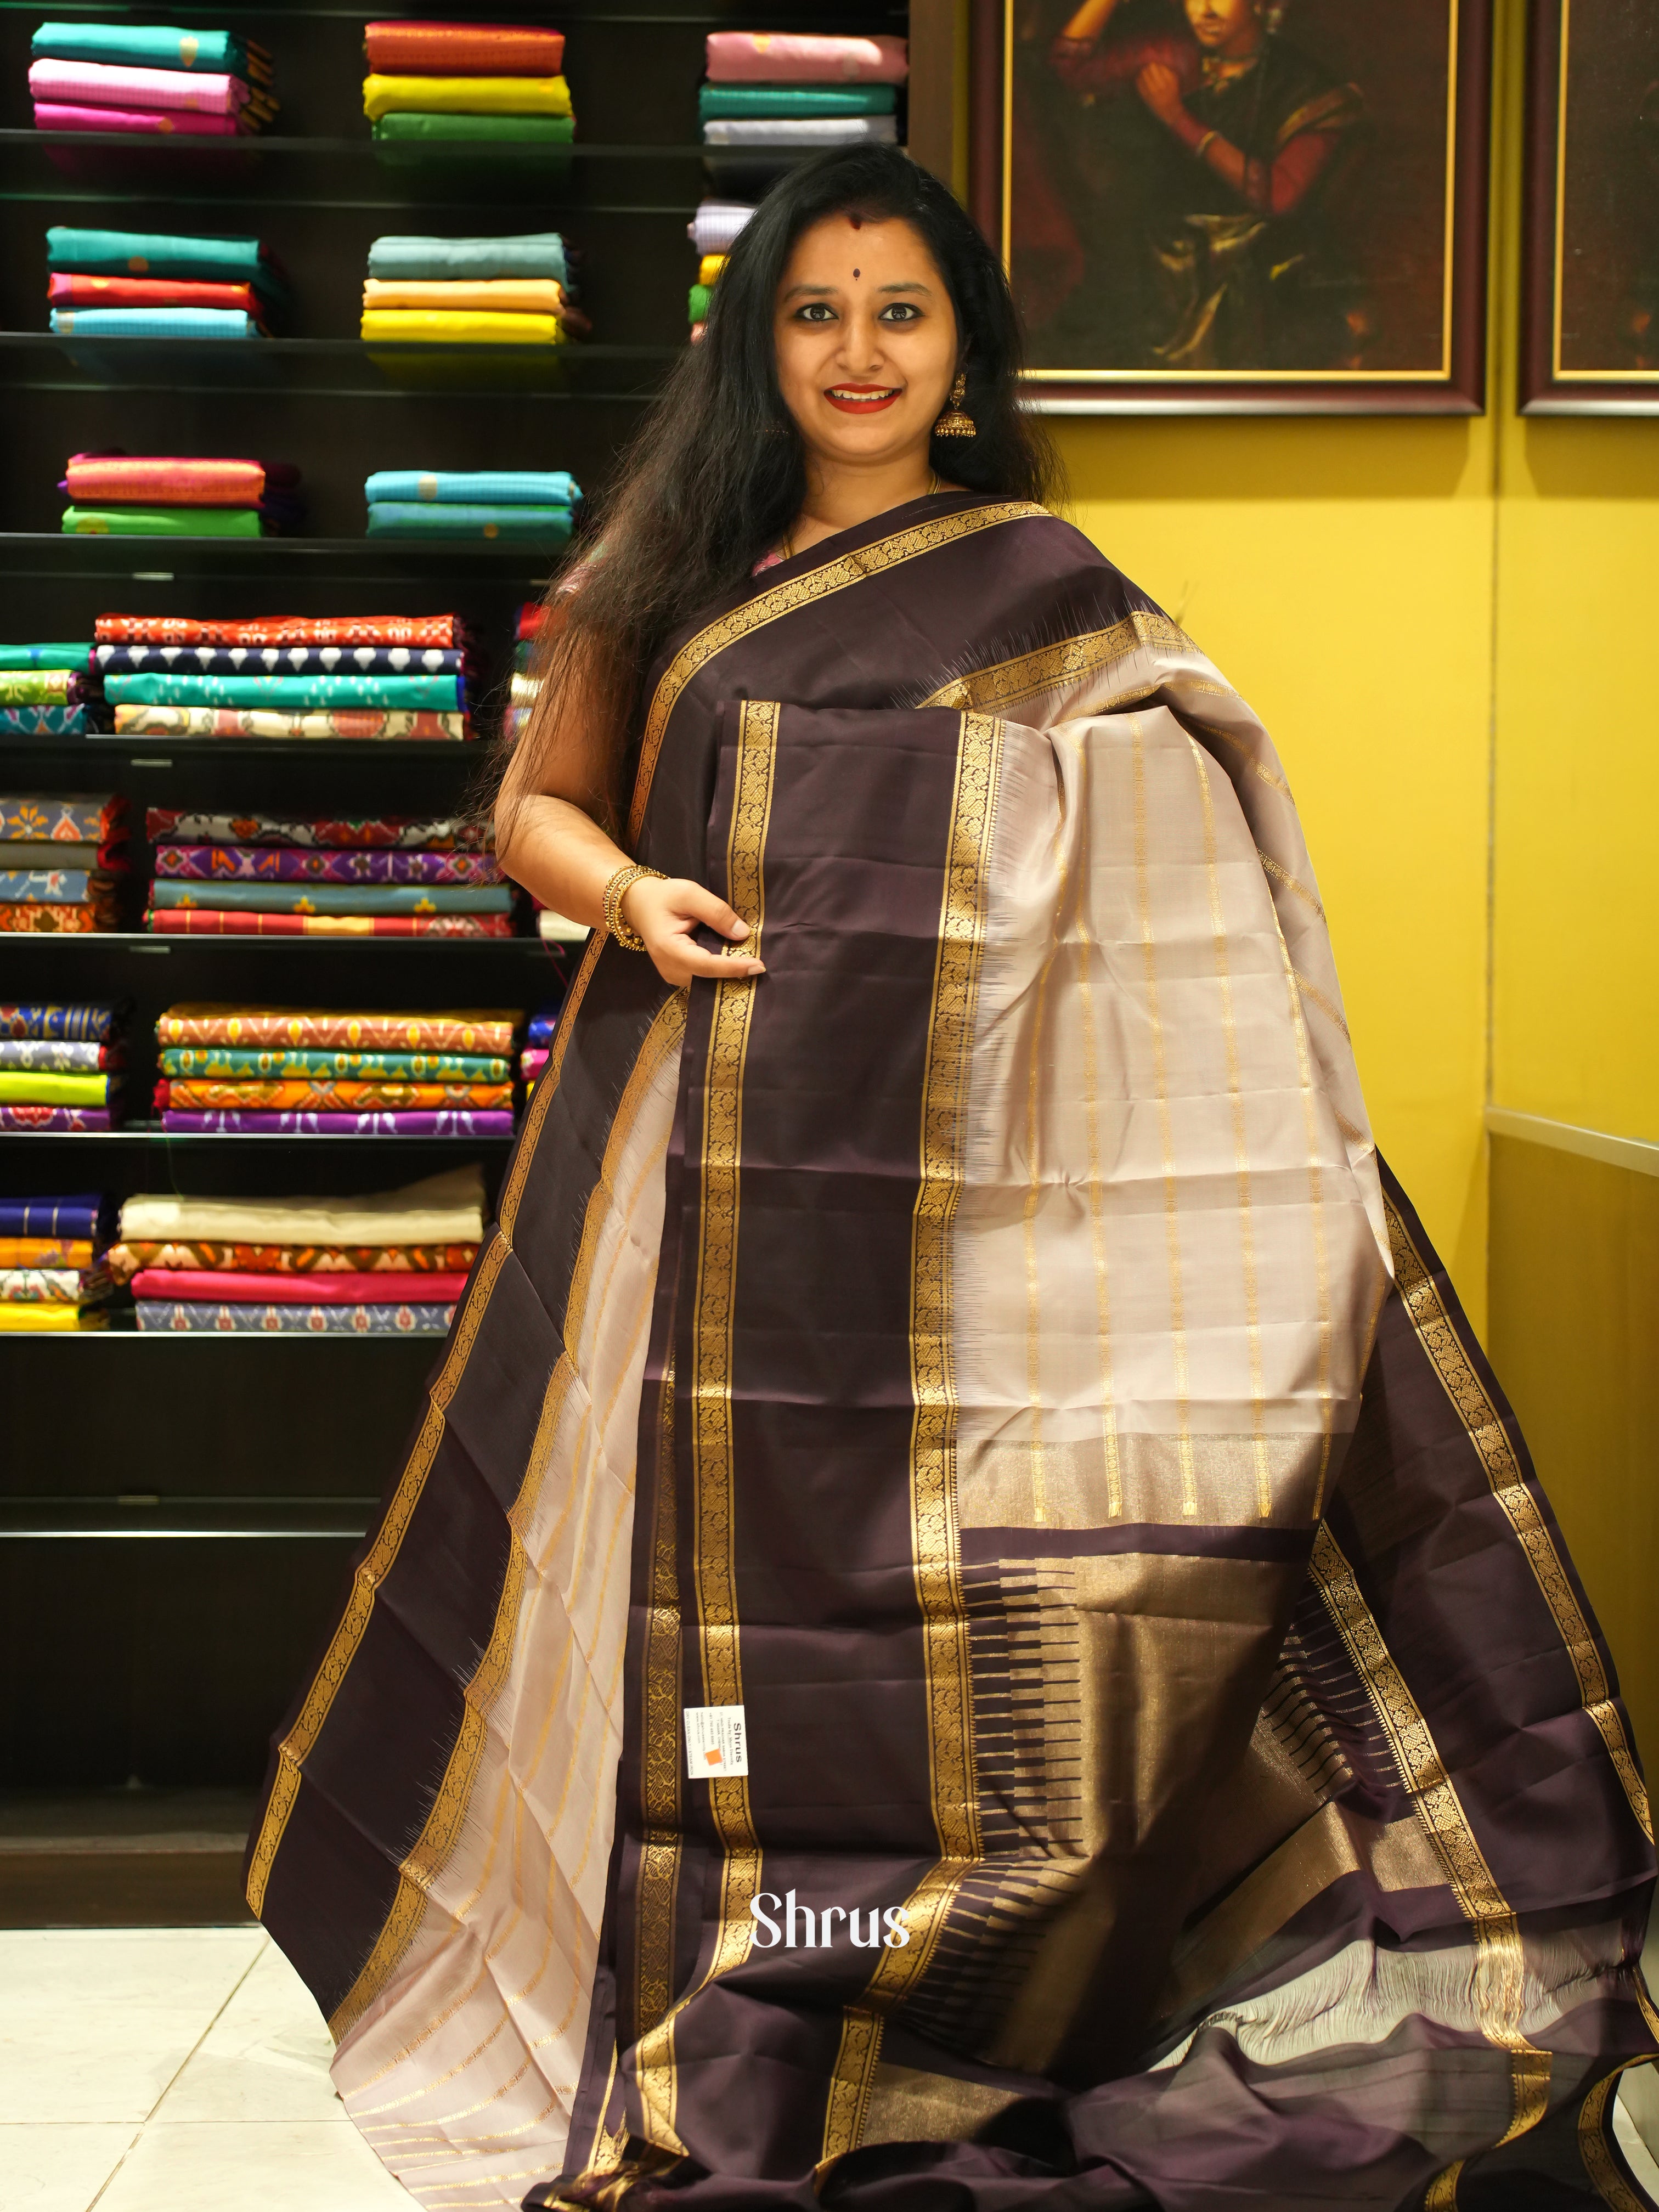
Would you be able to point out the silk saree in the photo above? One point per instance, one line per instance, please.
(965, 1625)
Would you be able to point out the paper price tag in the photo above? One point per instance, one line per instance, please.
(716, 1742)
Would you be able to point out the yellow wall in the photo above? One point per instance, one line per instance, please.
(1446, 625)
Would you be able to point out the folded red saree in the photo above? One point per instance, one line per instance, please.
(323, 1095)
(225, 1287)
(79, 291)
(173, 480)
(463, 49)
(283, 630)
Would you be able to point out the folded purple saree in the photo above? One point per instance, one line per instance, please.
(443, 1121)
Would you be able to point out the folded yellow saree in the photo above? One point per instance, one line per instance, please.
(710, 267)
(466, 95)
(511, 295)
(459, 326)
(32, 1317)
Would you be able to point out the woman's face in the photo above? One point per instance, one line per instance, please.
(1231, 28)
(867, 339)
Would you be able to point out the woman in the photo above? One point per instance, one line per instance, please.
(904, 1668)
(1225, 202)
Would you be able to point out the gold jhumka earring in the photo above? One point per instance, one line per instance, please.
(956, 421)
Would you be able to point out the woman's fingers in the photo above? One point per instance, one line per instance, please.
(720, 967)
(702, 906)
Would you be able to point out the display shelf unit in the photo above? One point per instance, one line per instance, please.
(195, 1516)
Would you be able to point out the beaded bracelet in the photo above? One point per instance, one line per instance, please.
(615, 891)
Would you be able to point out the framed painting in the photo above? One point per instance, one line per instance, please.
(1589, 311)
(1240, 206)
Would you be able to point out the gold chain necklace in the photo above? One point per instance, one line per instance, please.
(788, 551)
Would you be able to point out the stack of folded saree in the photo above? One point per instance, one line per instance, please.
(61, 860)
(53, 1276)
(713, 230)
(164, 495)
(389, 1264)
(145, 284)
(526, 684)
(287, 676)
(795, 89)
(258, 875)
(46, 690)
(538, 1041)
(433, 88)
(313, 1072)
(60, 1067)
(151, 79)
(470, 291)
(522, 503)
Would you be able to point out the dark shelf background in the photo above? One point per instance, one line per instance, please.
(187, 1649)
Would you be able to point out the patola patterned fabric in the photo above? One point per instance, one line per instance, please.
(1148, 1746)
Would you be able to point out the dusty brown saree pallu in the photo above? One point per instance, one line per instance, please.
(1182, 1769)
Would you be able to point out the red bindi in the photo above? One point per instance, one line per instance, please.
(855, 275)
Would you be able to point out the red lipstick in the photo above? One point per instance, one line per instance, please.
(851, 400)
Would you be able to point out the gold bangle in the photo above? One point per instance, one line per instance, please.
(1205, 143)
(622, 883)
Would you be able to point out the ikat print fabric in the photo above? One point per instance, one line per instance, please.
(61, 1067)
(313, 1320)
(53, 1273)
(443, 833)
(277, 864)
(284, 630)
(375, 677)
(336, 1074)
(40, 899)
(281, 660)
(467, 1030)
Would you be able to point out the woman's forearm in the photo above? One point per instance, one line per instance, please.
(560, 854)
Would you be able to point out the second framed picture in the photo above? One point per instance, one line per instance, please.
(1591, 294)
(1240, 205)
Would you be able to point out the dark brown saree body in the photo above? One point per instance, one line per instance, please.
(1177, 1776)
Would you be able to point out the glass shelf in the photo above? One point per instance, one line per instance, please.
(157, 749)
(355, 560)
(335, 367)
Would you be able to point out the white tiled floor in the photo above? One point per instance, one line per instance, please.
(187, 2071)
(169, 2070)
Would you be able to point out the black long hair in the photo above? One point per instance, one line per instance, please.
(718, 471)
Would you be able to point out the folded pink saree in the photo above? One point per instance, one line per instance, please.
(801, 57)
(152, 121)
(226, 1288)
(100, 84)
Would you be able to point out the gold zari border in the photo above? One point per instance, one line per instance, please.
(1499, 1980)
(1599, 2161)
(1472, 1402)
(714, 1562)
(1054, 667)
(784, 598)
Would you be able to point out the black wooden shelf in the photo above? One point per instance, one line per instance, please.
(366, 560)
(344, 366)
(155, 943)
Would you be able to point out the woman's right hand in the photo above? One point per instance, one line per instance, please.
(664, 911)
